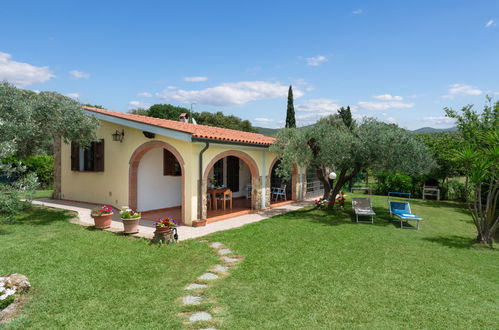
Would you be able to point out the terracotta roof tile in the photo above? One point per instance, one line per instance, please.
(199, 131)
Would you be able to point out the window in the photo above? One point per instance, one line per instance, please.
(90, 159)
(171, 166)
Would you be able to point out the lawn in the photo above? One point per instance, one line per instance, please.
(315, 269)
(308, 269)
(88, 279)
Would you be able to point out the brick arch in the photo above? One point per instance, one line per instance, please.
(239, 154)
(134, 165)
(294, 178)
(247, 159)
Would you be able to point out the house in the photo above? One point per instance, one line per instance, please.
(165, 167)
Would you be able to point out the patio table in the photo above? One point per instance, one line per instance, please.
(214, 193)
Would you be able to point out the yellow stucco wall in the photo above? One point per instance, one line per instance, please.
(112, 185)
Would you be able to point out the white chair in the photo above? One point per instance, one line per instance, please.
(249, 191)
(279, 193)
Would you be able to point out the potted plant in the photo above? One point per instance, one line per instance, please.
(130, 220)
(164, 225)
(102, 216)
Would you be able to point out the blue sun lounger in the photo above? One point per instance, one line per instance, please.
(402, 212)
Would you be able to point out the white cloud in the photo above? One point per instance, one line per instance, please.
(73, 95)
(22, 74)
(439, 120)
(316, 60)
(79, 74)
(318, 105)
(391, 120)
(388, 97)
(195, 79)
(490, 23)
(264, 120)
(461, 90)
(229, 94)
(314, 109)
(138, 104)
(357, 12)
(374, 105)
(144, 94)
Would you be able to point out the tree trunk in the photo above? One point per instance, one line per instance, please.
(57, 168)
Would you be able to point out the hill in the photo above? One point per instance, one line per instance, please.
(434, 130)
(422, 130)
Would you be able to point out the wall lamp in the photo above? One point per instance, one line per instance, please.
(118, 136)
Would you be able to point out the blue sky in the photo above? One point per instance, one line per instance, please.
(399, 61)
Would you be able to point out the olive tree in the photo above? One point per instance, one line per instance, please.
(29, 122)
(347, 149)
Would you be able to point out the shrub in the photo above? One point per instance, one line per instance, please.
(457, 191)
(387, 182)
(43, 167)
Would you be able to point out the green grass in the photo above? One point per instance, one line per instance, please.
(83, 278)
(309, 269)
(313, 269)
(41, 194)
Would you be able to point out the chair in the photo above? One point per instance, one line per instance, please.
(208, 201)
(402, 211)
(249, 191)
(224, 197)
(279, 192)
(362, 206)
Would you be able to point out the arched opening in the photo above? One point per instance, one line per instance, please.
(231, 178)
(156, 181)
(282, 190)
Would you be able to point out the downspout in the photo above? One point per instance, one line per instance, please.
(200, 185)
(264, 180)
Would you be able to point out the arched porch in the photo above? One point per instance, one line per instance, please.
(229, 170)
(157, 181)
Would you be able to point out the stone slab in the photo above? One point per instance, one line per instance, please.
(223, 252)
(216, 245)
(208, 277)
(191, 300)
(200, 316)
(229, 259)
(221, 269)
(196, 286)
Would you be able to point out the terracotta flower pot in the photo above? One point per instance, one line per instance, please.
(162, 229)
(131, 226)
(102, 221)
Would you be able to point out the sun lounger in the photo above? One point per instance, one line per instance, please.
(402, 213)
(362, 206)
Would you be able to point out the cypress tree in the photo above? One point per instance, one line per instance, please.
(290, 114)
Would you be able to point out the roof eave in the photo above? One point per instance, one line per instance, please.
(218, 141)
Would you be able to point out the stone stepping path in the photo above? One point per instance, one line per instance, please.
(191, 300)
(217, 272)
(200, 316)
(208, 277)
(220, 269)
(196, 286)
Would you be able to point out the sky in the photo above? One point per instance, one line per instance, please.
(398, 61)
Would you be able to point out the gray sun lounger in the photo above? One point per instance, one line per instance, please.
(362, 206)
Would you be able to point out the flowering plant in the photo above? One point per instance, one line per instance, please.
(6, 293)
(321, 203)
(165, 222)
(102, 210)
(128, 213)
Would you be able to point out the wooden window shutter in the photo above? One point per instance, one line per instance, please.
(98, 148)
(75, 156)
